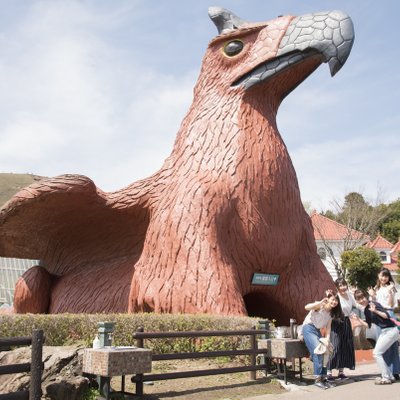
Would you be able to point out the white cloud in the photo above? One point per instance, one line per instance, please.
(74, 103)
(17, 140)
(331, 169)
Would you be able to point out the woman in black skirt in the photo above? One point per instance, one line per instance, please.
(342, 334)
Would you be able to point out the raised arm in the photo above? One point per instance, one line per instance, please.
(316, 305)
(374, 310)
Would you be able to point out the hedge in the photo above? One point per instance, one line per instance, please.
(68, 329)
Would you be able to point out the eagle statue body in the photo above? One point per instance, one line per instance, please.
(224, 206)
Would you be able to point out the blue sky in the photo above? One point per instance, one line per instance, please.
(99, 88)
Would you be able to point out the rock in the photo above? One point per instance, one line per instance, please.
(14, 382)
(62, 376)
(67, 389)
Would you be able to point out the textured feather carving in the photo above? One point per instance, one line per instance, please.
(224, 205)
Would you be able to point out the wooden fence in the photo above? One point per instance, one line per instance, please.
(252, 351)
(35, 367)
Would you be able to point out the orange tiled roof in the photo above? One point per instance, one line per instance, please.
(327, 229)
(380, 243)
(396, 248)
(394, 253)
(392, 266)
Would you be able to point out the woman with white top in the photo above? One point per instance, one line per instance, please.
(320, 317)
(343, 355)
(384, 293)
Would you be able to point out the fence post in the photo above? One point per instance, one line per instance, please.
(264, 324)
(139, 382)
(35, 389)
(253, 357)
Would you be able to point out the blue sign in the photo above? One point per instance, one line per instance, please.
(265, 279)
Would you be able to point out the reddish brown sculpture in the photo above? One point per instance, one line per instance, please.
(225, 204)
(33, 291)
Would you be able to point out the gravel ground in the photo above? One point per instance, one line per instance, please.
(233, 386)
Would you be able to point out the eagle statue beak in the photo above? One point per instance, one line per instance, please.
(329, 33)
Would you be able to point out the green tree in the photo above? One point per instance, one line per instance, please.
(361, 266)
(354, 199)
(391, 231)
(390, 225)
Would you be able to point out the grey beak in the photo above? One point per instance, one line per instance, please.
(330, 33)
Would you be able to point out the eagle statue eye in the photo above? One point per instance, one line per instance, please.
(233, 47)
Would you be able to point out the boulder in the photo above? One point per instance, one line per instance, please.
(62, 376)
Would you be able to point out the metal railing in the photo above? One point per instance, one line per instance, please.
(252, 351)
(35, 367)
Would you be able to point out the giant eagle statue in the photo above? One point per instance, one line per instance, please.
(224, 206)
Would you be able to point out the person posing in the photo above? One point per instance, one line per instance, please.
(343, 355)
(384, 291)
(375, 313)
(320, 316)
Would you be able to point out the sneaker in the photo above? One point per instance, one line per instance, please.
(382, 381)
(396, 377)
(329, 384)
(319, 383)
(342, 377)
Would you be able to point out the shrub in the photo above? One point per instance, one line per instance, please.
(362, 266)
(67, 329)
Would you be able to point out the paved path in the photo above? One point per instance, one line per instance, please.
(359, 386)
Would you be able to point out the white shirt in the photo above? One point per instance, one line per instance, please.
(347, 304)
(383, 296)
(319, 318)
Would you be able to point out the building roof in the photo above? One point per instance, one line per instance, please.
(395, 250)
(327, 229)
(394, 255)
(380, 243)
(392, 266)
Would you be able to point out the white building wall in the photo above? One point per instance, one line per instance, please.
(337, 247)
(329, 264)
